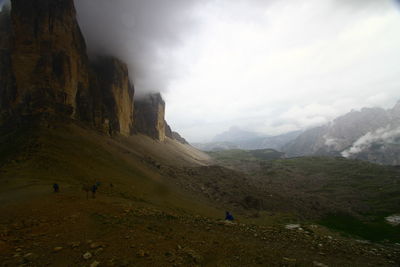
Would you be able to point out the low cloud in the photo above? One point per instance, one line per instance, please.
(380, 136)
(144, 34)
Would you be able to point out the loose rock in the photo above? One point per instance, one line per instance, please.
(95, 264)
(57, 249)
(87, 255)
(319, 264)
(75, 244)
(96, 245)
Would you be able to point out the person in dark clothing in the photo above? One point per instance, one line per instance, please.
(94, 189)
(56, 188)
(87, 189)
(228, 216)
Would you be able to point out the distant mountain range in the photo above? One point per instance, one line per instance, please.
(371, 134)
(235, 138)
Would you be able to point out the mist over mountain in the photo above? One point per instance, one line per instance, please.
(236, 138)
(143, 33)
(371, 134)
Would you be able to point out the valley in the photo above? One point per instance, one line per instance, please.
(155, 209)
(92, 174)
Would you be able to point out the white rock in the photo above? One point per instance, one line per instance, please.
(292, 226)
(393, 219)
(87, 255)
(316, 263)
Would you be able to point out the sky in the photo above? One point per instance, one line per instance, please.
(285, 66)
(265, 66)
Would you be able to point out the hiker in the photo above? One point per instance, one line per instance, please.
(94, 189)
(86, 188)
(228, 216)
(56, 188)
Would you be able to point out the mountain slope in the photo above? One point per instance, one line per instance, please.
(371, 134)
(72, 155)
(158, 204)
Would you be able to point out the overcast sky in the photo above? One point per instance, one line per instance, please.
(285, 66)
(265, 66)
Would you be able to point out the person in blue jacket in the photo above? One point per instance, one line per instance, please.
(56, 188)
(228, 216)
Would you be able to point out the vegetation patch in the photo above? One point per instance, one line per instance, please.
(376, 231)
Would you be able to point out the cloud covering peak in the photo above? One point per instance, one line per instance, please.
(144, 34)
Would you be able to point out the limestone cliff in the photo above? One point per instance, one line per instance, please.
(48, 55)
(7, 81)
(45, 70)
(149, 116)
(114, 91)
(174, 135)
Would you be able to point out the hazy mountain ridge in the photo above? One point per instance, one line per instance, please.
(370, 134)
(235, 138)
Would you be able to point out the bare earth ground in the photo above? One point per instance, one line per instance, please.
(59, 229)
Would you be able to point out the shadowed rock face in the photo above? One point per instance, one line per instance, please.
(179, 138)
(174, 135)
(7, 80)
(116, 112)
(149, 117)
(48, 55)
(45, 70)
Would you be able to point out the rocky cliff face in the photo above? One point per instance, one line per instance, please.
(7, 80)
(111, 96)
(149, 117)
(45, 69)
(48, 55)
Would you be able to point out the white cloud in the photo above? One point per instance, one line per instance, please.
(284, 66)
(381, 135)
(270, 66)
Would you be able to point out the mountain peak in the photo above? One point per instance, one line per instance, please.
(45, 70)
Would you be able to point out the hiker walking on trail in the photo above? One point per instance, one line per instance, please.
(56, 188)
(94, 189)
(228, 216)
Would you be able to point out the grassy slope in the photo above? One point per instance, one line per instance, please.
(72, 156)
(347, 195)
(238, 154)
(371, 191)
(144, 219)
